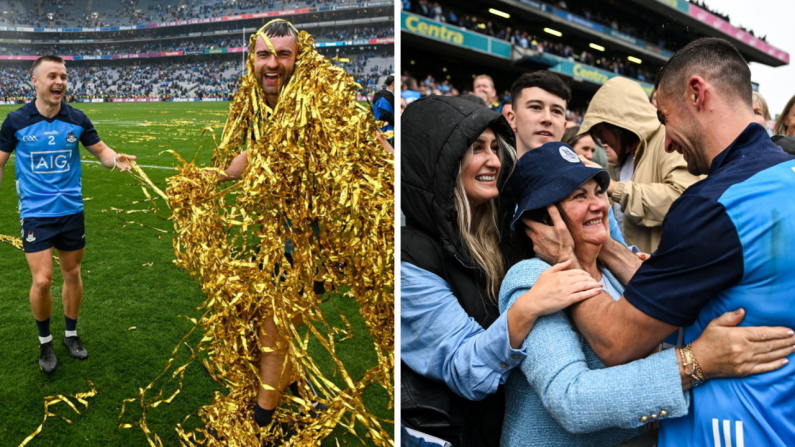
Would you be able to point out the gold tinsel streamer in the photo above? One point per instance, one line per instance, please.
(14, 241)
(316, 179)
(49, 401)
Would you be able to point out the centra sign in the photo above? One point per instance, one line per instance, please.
(431, 29)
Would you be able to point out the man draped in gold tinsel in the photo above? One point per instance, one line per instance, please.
(312, 176)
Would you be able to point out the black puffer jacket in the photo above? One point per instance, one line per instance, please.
(437, 131)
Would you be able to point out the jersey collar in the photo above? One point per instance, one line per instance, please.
(32, 110)
(749, 139)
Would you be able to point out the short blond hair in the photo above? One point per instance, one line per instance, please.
(759, 99)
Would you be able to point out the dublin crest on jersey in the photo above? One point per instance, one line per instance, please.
(70, 137)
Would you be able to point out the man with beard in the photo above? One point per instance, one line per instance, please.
(724, 247)
(645, 180)
(274, 65)
(45, 135)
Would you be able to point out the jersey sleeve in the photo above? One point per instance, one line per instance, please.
(90, 136)
(8, 138)
(699, 255)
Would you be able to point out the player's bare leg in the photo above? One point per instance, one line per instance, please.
(72, 282)
(275, 370)
(40, 264)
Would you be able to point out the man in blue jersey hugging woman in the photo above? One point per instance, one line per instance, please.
(44, 134)
(724, 247)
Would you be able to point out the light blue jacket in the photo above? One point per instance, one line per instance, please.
(440, 341)
(564, 395)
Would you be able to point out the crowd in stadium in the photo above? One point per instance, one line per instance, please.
(368, 67)
(61, 13)
(182, 44)
(175, 78)
(436, 11)
(488, 27)
(525, 40)
(726, 17)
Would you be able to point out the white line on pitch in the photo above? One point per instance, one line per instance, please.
(143, 166)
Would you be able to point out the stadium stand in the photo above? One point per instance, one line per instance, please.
(142, 50)
(586, 42)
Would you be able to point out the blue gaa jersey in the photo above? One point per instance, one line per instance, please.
(727, 243)
(47, 158)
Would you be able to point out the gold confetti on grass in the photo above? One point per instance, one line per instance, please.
(50, 401)
(317, 179)
(14, 241)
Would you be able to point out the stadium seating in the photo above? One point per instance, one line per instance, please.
(146, 54)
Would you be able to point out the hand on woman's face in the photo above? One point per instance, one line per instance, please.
(482, 170)
(585, 213)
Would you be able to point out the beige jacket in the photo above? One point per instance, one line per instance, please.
(659, 178)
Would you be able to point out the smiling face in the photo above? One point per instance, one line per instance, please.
(480, 169)
(274, 70)
(682, 134)
(585, 213)
(49, 80)
(538, 117)
(585, 146)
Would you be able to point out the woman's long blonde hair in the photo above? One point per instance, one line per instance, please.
(479, 228)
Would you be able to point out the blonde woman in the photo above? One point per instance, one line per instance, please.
(761, 112)
(457, 350)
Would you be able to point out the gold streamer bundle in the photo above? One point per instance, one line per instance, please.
(316, 181)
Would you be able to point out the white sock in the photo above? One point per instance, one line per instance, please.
(70, 333)
(46, 339)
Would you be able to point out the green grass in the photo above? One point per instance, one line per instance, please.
(129, 281)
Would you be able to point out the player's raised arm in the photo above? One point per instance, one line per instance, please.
(110, 158)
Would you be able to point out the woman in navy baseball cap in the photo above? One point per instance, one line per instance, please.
(564, 395)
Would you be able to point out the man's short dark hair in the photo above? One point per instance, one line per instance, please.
(279, 29)
(410, 83)
(47, 58)
(389, 80)
(715, 60)
(542, 79)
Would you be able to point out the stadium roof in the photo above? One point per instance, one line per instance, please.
(702, 21)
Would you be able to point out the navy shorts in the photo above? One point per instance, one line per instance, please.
(65, 233)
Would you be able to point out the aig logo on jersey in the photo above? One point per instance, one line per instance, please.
(50, 162)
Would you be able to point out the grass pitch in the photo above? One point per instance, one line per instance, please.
(133, 297)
